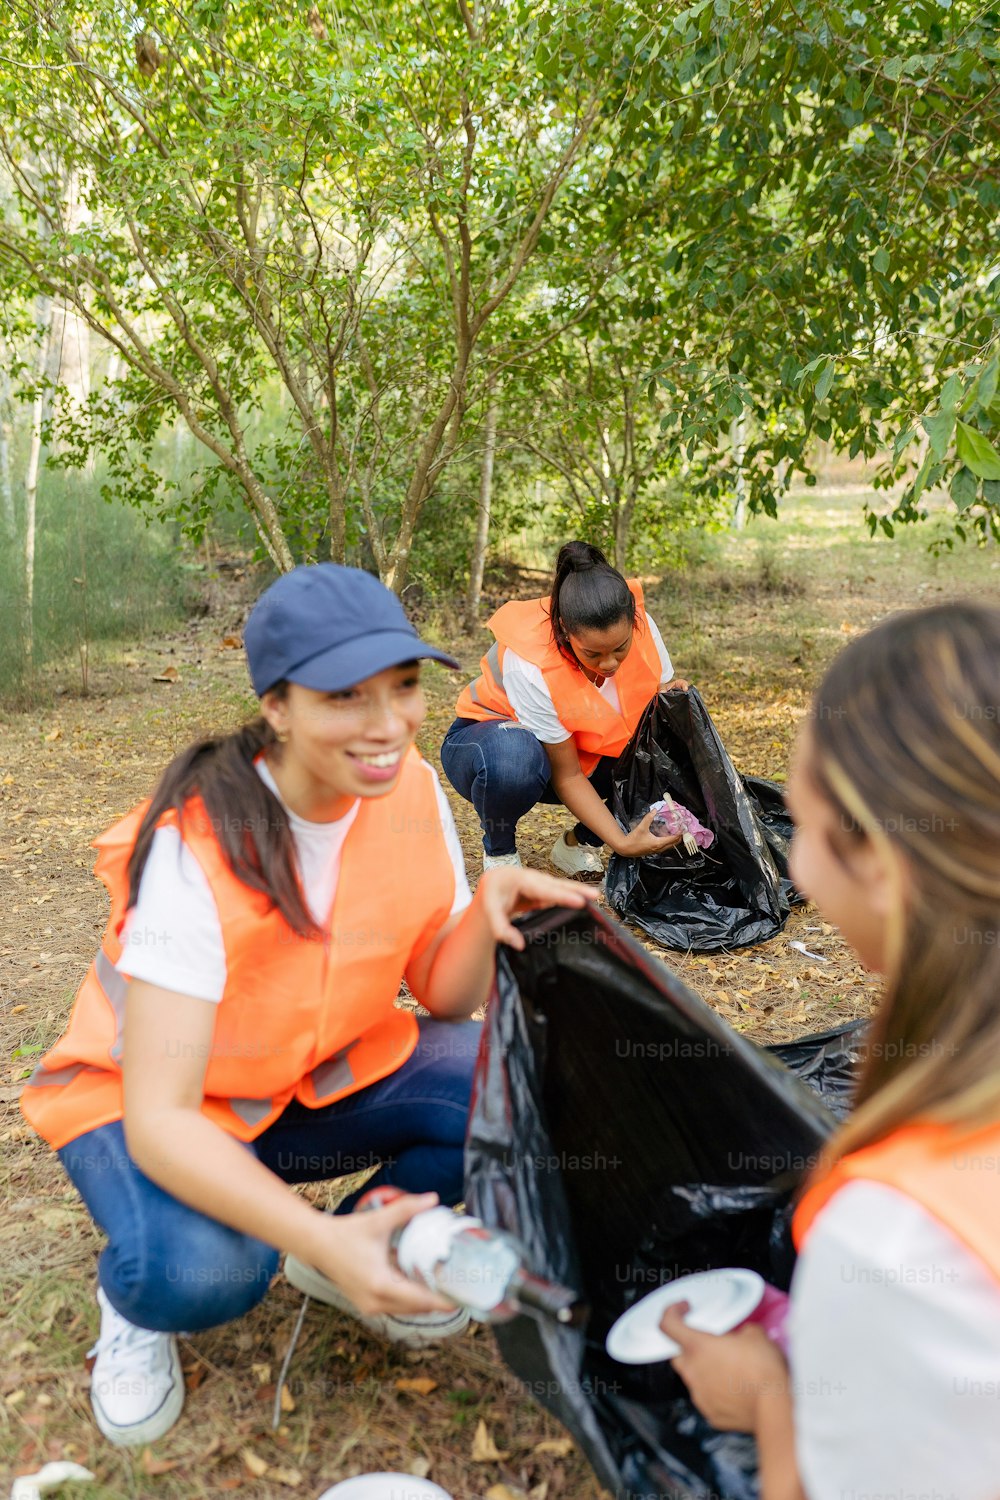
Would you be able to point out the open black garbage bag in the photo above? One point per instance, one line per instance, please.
(738, 891)
(627, 1136)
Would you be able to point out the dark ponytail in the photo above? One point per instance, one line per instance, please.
(248, 821)
(587, 594)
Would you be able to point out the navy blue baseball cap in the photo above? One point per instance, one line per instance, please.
(328, 627)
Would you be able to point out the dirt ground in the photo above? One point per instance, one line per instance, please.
(752, 620)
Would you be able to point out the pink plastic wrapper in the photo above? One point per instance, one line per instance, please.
(679, 819)
(771, 1313)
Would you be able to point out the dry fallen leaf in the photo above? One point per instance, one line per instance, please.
(287, 1399)
(252, 1461)
(231, 643)
(561, 1447)
(169, 674)
(289, 1477)
(484, 1449)
(504, 1492)
(420, 1385)
(151, 1465)
(261, 1373)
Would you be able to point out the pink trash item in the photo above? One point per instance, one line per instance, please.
(672, 817)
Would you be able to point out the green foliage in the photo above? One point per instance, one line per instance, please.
(830, 187)
(101, 575)
(638, 224)
(342, 204)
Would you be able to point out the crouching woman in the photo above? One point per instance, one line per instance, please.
(238, 1032)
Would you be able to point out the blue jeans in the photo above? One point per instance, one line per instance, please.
(168, 1267)
(503, 771)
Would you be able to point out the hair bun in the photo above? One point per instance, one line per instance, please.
(578, 557)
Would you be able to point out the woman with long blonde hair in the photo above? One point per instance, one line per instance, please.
(892, 1385)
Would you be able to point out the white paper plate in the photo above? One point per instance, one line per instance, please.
(386, 1487)
(719, 1301)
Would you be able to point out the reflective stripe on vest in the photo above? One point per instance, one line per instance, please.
(45, 1077)
(252, 1111)
(334, 1075)
(493, 660)
(114, 986)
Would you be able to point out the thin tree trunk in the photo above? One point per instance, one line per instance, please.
(738, 438)
(622, 520)
(47, 357)
(7, 511)
(478, 562)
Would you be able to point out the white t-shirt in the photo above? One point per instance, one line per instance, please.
(529, 697)
(172, 937)
(894, 1336)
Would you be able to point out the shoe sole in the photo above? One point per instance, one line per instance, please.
(572, 872)
(390, 1326)
(156, 1424)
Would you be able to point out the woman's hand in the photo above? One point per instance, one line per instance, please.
(675, 682)
(353, 1250)
(507, 892)
(640, 842)
(728, 1376)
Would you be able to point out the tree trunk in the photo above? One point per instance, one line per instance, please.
(478, 562)
(48, 370)
(622, 524)
(738, 438)
(7, 512)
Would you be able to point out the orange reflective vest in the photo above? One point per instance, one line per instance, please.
(523, 626)
(309, 1018)
(954, 1174)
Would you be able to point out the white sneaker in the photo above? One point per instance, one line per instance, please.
(494, 861)
(415, 1330)
(579, 861)
(136, 1386)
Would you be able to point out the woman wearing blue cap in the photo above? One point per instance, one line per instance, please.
(237, 1031)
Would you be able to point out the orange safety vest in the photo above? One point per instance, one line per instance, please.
(309, 1018)
(953, 1173)
(524, 626)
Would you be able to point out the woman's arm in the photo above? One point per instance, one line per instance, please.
(168, 1042)
(576, 793)
(454, 974)
(740, 1382)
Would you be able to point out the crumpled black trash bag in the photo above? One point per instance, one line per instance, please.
(738, 891)
(627, 1135)
(828, 1061)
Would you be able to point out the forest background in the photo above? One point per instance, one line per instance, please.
(400, 284)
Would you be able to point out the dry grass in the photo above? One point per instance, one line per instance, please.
(752, 624)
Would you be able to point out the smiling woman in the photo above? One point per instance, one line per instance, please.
(559, 696)
(238, 1032)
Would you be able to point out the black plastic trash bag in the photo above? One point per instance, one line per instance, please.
(828, 1061)
(738, 891)
(627, 1136)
